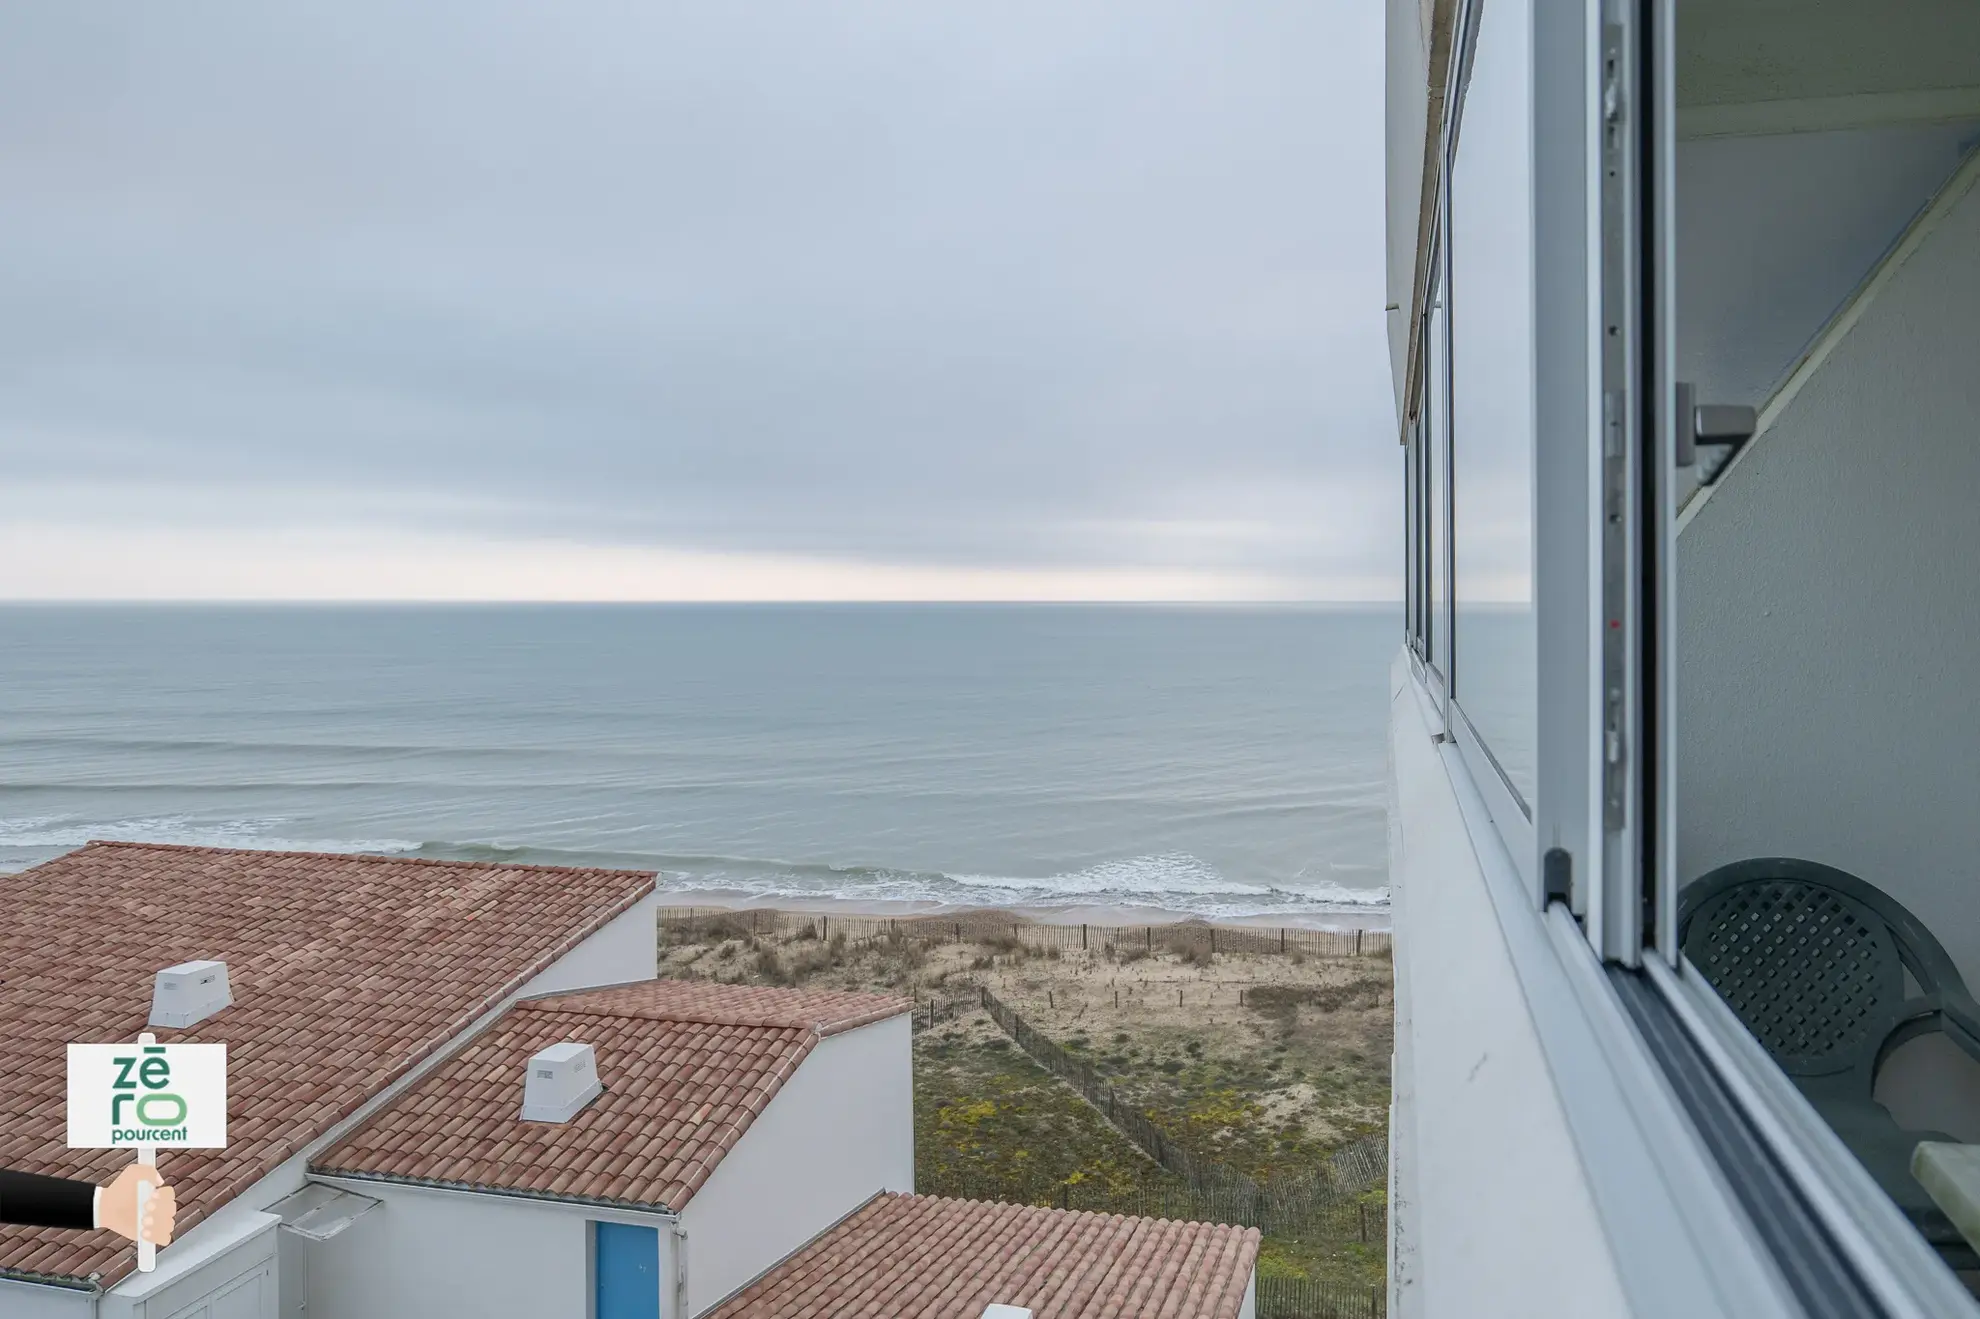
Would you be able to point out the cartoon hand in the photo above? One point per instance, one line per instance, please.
(118, 1208)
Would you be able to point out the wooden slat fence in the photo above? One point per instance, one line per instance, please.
(704, 924)
(1287, 1203)
(1307, 1298)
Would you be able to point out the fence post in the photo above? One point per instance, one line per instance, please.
(1149, 930)
(1282, 938)
(1357, 943)
(1082, 937)
(1213, 941)
(825, 927)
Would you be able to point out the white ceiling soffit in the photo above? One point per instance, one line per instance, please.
(1789, 66)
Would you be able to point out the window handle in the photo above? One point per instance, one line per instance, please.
(1714, 425)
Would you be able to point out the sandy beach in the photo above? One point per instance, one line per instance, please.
(1373, 918)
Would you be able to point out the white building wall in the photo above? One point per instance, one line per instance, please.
(1493, 1214)
(29, 1300)
(840, 1130)
(232, 1241)
(627, 948)
(1828, 620)
(436, 1253)
(1249, 1310)
(231, 1273)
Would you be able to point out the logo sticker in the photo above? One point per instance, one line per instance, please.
(166, 1096)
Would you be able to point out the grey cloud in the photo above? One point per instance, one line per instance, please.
(1010, 285)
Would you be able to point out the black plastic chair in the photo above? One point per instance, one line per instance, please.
(1812, 959)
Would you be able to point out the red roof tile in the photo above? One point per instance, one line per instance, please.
(346, 972)
(925, 1257)
(687, 1067)
(828, 1011)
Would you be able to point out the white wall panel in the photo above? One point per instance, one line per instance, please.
(1494, 1216)
(841, 1129)
(1829, 613)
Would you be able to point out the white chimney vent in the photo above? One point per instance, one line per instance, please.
(562, 1079)
(189, 993)
(1005, 1312)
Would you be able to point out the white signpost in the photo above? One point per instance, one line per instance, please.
(147, 1097)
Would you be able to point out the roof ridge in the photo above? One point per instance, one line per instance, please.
(681, 1016)
(825, 1012)
(445, 862)
(823, 1028)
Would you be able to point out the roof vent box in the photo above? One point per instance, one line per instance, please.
(1005, 1312)
(189, 993)
(561, 1080)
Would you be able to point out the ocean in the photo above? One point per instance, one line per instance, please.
(1212, 761)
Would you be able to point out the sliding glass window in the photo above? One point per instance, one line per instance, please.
(1412, 560)
(1436, 461)
(1492, 403)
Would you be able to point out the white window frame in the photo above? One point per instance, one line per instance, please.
(1515, 821)
(1679, 1231)
(1865, 1228)
(1438, 652)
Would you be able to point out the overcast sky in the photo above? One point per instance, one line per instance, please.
(819, 299)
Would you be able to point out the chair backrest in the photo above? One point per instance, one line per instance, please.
(1811, 958)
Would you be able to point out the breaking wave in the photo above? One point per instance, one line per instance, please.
(1172, 882)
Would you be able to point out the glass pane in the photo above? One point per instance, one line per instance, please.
(1423, 534)
(1491, 308)
(1825, 611)
(1436, 401)
(1413, 597)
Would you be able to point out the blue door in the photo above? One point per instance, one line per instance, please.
(626, 1261)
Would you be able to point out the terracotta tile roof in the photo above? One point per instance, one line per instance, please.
(924, 1257)
(687, 1067)
(346, 971)
(828, 1011)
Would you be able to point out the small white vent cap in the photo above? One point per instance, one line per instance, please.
(561, 1080)
(189, 993)
(1005, 1312)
